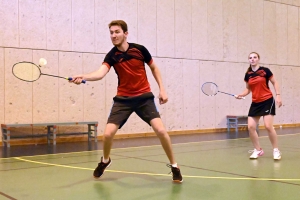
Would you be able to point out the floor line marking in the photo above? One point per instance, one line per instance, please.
(187, 143)
(153, 174)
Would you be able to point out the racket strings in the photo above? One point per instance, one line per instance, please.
(26, 71)
(210, 88)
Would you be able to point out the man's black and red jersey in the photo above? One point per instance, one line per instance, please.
(258, 82)
(130, 68)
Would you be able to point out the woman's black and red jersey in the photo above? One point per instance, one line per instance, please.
(258, 82)
(130, 68)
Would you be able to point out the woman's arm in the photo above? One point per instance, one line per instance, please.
(277, 91)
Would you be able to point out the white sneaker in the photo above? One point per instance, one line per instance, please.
(256, 153)
(276, 154)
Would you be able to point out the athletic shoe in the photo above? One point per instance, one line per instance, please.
(276, 154)
(255, 154)
(175, 173)
(98, 172)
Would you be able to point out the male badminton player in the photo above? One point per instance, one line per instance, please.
(133, 93)
(263, 104)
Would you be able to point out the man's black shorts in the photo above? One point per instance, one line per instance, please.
(143, 105)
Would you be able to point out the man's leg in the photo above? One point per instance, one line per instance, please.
(105, 161)
(108, 136)
(164, 138)
(165, 141)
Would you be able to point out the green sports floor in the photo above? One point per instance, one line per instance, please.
(213, 165)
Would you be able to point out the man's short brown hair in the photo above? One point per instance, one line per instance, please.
(120, 23)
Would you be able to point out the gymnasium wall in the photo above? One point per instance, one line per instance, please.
(192, 41)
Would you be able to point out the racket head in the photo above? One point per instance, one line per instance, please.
(26, 71)
(209, 88)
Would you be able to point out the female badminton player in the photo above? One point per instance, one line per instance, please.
(263, 104)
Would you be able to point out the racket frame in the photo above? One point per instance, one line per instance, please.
(38, 67)
(28, 63)
(216, 90)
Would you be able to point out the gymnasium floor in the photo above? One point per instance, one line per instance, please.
(214, 166)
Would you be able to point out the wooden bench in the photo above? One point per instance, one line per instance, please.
(236, 121)
(51, 131)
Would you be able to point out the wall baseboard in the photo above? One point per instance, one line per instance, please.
(61, 139)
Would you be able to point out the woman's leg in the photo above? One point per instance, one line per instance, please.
(268, 120)
(252, 124)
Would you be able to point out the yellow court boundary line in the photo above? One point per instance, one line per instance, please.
(153, 174)
(158, 145)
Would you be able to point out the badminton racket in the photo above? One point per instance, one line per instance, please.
(30, 72)
(211, 89)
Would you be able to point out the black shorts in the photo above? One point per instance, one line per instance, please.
(123, 107)
(263, 108)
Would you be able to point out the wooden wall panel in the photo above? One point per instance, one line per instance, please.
(147, 25)
(128, 11)
(94, 106)
(105, 12)
(59, 24)
(9, 23)
(281, 33)
(174, 86)
(183, 28)
(2, 86)
(243, 30)
(199, 29)
(166, 29)
(230, 30)
(257, 27)
(191, 94)
(293, 36)
(215, 30)
(269, 33)
(83, 26)
(45, 96)
(70, 95)
(287, 94)
(32, 25)
(18, 94)
(207, 103)
(222, 107)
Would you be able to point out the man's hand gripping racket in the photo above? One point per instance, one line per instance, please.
(30, 72)
(211, 89)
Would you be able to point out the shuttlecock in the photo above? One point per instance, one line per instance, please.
(42, 62)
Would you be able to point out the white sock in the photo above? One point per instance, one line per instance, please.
(276, 149)
(105, 160)
(174, 165)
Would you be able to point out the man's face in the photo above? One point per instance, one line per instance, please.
(117, 36)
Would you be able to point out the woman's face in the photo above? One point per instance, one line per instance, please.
(253, 59)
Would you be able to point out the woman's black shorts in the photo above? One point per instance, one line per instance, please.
(263, 108)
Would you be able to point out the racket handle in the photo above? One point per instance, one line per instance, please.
(70, 78)
(241, 97)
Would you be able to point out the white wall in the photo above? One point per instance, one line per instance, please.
(192, 41)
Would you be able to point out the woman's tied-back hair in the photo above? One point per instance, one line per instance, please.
(120, 23)
(249, 68)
